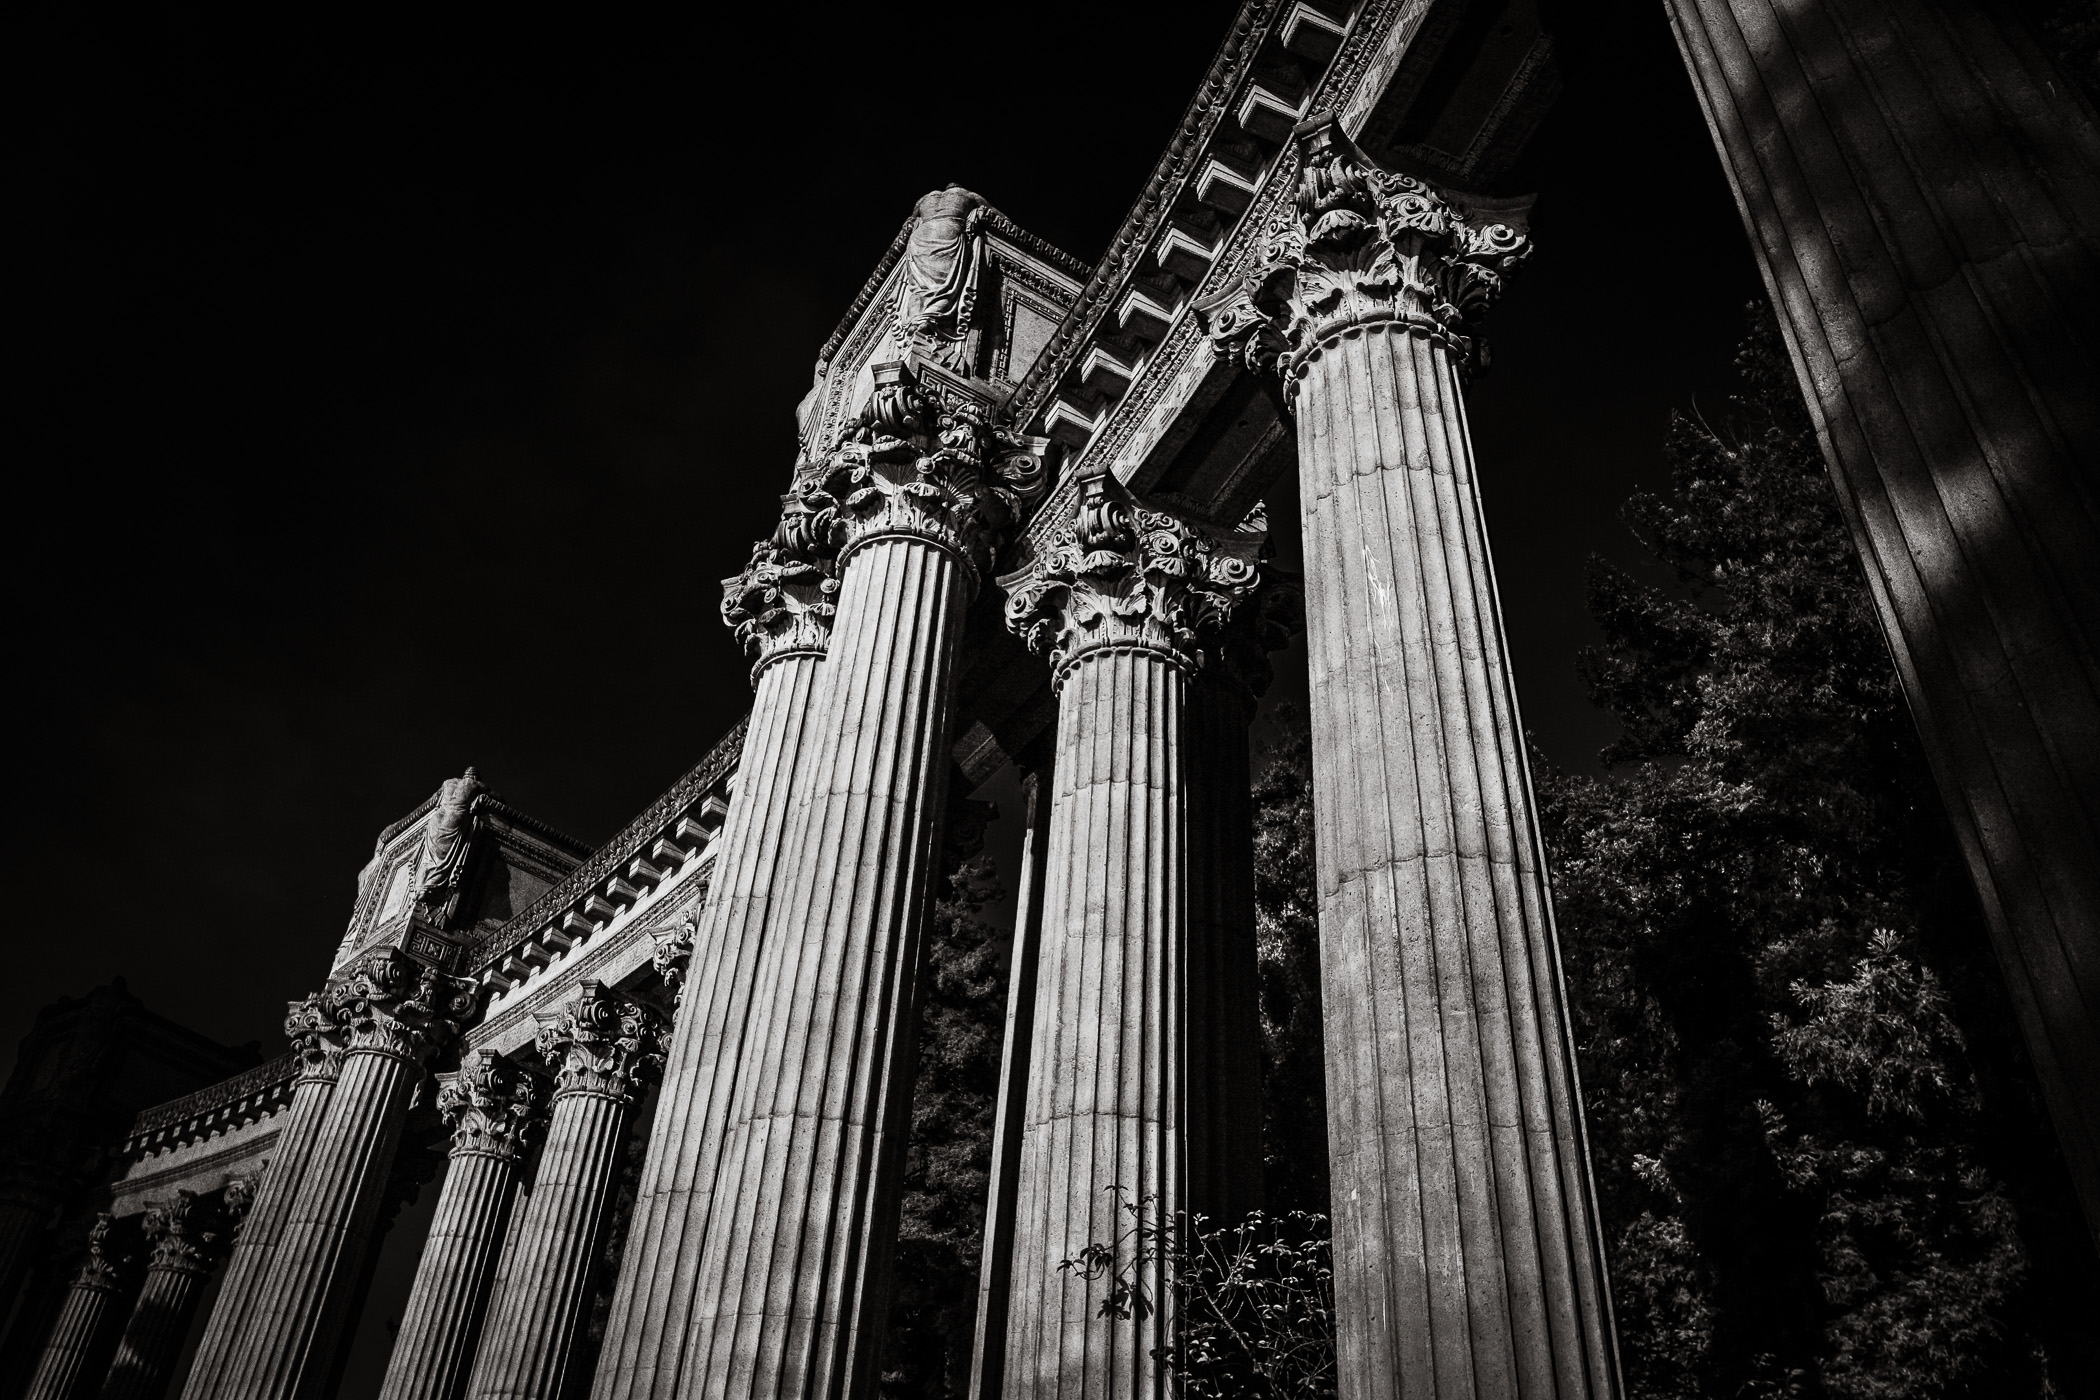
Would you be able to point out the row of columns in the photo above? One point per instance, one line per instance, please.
(1467, 1258)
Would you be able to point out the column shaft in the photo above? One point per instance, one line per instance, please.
(537, 1315)
(434, 1351)
(255, 1244)
(1105, 1092)
(153, 1338)
(995, 1266)
(645, 1348)
(792, 1290)
(1922, 192)
(89, 1324)
(1466, 1259)
(288, 1347)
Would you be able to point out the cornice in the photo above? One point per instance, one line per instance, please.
(165, 1121)
(607, 861)
(1179, 163)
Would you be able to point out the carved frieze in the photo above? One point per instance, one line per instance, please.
(1117, 575)
(390, 1004)
(601, 1043)
(492, 1107)
(1359, 247)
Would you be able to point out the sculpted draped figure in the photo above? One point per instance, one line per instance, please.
(939, 284)
(445, 840)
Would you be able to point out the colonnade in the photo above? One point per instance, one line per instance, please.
(1467, 1258)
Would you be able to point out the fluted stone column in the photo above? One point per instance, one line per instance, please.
(1122, 1107)
(781, 609)
(604, 1050)
(494, 1111)
(1010, 1111)
(793, 1281)
(314, 1028)
(1922, 191)
(90, 1320)
(186, 1239)
(1467, 1256)
(395, 1013)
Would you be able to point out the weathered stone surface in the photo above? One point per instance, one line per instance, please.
(1467, 1260)
(187, 1237)
(316, 1036)
(91, 1319)
(394, 1012)
(792, 1286)
(495, 1112)
(1128, 1101)
(1923, 194)
(781, 608)
(604, 1050)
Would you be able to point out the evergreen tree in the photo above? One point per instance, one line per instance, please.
(1821, 1159)
(948, 1163)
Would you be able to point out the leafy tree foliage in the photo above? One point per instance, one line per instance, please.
(948, 1164)
(1254, 1300)
(1822, 1162)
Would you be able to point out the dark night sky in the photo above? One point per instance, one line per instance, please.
(397, 389)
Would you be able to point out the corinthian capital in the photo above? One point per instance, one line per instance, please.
(391, 1004)
(1357, 247)
(603, 1044)
(925, 461)
(314, 1026)
(783, 602)
(671, 951)
(493, 1108)
(1119, 576)
(185, 1234)
(109, 1256)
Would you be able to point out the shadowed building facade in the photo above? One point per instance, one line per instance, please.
(1025, 520)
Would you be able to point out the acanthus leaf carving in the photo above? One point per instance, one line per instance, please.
(492, 1107)
(1360, 246)
(671, 951)
(186, 1233)
(314, 1025)
(601, 1043)
(925, 460)
(109, 1258)
(783, 603)
(1120, 576)
(391, 1004)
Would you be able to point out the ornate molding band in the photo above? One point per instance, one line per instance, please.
(492, 1107)
(1358, 247)
(1117, 576)
(603, 1044)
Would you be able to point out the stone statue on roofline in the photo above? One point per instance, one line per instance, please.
(937, 289)
(444, 855)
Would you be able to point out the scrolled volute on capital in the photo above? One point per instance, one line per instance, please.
(1359, 246)
(1117, 575)
(391, 1004)
(925, 460)
(783, 602)
(493, 1107)
(314, 1026)
(602, 1043)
